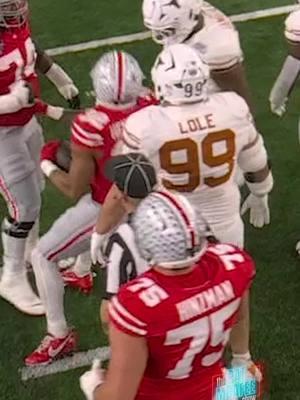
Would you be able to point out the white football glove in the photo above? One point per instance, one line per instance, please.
(98, 242)
(91, 379)
(68, 91)
(278, 109)
(62, 81)
(244, 360)
(259, 210)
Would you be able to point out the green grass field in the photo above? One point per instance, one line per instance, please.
(276, 295)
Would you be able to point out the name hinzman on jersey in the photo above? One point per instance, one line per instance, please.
(205, 301)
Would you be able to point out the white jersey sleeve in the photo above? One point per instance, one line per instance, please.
(223, 49)
(292, 27)
(253, 155)
(136, 130)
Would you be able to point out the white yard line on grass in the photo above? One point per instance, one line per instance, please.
(82, 359)
(95, 44)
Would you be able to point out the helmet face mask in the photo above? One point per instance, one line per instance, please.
(117, 78)
(180, 76)
(13, 13)
(171, 21)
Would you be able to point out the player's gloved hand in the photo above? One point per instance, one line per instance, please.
(259, 210)
(74, 102)
(91, 379)
(98, 242)
(278, 109)
(64, 85)
(23, 94)
(244, 360)
(48, 157)
(50, 111)
(49, 150)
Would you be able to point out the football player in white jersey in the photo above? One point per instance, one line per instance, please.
(198, 23)
(196, 141)
(289, 73)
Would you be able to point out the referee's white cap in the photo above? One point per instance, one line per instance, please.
(132, 173)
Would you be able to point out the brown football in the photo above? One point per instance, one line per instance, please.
(63, 156)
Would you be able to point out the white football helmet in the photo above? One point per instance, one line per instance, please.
(117, 78)
(13, 13)
(180, 76)
(167, 232)
(171, 21)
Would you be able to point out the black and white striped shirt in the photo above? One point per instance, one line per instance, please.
(124, 261)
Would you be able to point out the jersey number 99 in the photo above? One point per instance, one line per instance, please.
(191, 167)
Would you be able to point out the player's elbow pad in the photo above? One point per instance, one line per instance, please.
(254, 157)
(262, 188)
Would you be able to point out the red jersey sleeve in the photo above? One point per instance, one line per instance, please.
(124, 313)
(87, 128)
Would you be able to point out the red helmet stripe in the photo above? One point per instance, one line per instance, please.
(120, 75)
(183, 214)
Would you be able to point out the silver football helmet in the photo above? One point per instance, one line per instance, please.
(171, 21)
(117, 78)
(166, 231)
(180, 76)
(13, 13)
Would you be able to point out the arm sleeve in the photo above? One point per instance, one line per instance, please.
(123, 310)
(137, 129)
(224, 50)
(131, 136)
(253, 156)
(292, 27)
(88, 127)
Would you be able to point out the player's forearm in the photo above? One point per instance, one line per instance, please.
(260, 182)
(285, 80)
(240, 335)
(108, 391)
(234, 79)
(111, 213)
(61, 180)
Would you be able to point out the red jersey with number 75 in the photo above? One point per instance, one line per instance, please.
(186, 320)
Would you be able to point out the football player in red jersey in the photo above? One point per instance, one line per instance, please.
(169, 327)
(117, 80)
(20, 143)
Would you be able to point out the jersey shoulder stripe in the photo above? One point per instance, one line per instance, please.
(87, 128)
(124, 324)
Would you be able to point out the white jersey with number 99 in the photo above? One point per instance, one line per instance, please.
(196, 149)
